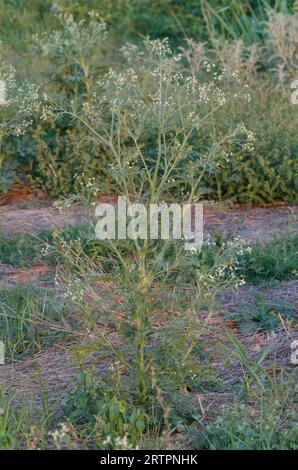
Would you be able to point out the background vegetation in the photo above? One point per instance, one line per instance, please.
(257, 40)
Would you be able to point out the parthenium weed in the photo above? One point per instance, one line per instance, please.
(150, 120)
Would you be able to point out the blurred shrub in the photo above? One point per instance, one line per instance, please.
(17, 103)
(72, 62)
(269, 172)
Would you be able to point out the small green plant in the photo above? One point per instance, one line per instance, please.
(23, 250)
(245, 427)
(274, 260)
(23, 311)
(18, 428)
(268, 315)
(118, 427)
(19, 250)
(113, 422)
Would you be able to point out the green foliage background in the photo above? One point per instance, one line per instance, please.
(49, 156)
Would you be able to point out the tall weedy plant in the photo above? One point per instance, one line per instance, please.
(156, 121)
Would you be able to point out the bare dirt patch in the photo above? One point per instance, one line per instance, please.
(257, 223)
(251, 224)
(25, 196)
(15, 220)
(34, 275)
(48, 375)
(285, 291)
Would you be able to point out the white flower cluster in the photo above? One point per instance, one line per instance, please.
(88, 185)
(80, 36)
(119, 443)
(245, 135)
(72, 293)
(226, 271)
(62, 205)
(22, 101)
(59, 435)
(46, 249)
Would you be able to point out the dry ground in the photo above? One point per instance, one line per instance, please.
(54, 370)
